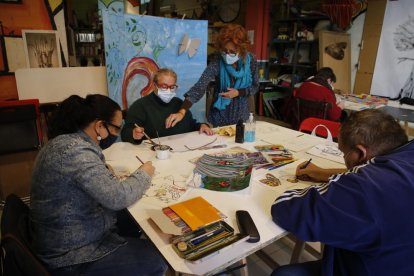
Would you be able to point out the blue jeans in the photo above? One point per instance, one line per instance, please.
(137, 257)
(303, 269)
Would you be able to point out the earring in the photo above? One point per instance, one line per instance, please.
(99, 137)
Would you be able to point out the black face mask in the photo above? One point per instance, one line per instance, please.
(108, 141)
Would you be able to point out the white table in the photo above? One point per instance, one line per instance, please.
(257, 200)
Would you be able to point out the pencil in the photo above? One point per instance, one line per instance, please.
(306, 164)
(152, 142)
(139, 159)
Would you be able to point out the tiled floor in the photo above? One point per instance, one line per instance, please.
(279, 251)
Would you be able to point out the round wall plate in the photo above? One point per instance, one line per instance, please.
(229, 10)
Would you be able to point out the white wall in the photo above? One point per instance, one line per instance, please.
(356, 36)
(56, 84)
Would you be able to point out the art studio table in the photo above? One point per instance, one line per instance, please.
(169, 186)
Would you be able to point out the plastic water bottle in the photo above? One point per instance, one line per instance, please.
(250, 129)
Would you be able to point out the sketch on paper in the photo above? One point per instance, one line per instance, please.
(41, 48)
(166, 189)
(394, 66)
(403, 37)
(328, 151)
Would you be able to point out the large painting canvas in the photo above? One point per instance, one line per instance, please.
(136, 46)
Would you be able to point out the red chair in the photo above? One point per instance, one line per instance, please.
(311, 124)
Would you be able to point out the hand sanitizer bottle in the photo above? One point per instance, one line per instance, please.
(250, 129)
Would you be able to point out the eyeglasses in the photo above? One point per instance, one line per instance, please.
(118, 128)
(229, 52)
(165, 87)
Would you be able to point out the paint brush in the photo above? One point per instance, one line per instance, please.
(139, 159)
(146, 135)
(159, 142)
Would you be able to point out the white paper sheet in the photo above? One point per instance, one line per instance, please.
(328, 151)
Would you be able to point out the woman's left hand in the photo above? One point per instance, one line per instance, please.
(230, 94)
(206, 129)
(174, 118)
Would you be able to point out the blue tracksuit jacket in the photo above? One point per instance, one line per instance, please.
(365, 216)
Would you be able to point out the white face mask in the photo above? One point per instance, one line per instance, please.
(165, 95)
(230, 59)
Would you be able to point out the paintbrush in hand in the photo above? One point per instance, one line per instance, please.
(146, 135)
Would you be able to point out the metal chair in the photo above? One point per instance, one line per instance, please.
(17, 256)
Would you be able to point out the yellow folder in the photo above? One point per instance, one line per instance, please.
(196, 212)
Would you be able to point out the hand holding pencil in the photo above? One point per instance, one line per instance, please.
(146, 167)
(308, 171)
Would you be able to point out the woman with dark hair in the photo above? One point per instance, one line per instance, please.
(320, 88)
(75, 198)
(234, 69)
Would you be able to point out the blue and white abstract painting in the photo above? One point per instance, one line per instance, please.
(136, 46)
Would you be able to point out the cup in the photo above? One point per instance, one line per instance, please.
(162, 151)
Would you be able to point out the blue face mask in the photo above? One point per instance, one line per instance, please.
(230, 59)
(108, 141)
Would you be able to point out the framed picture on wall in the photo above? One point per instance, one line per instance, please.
(42, 48)
(14, 52)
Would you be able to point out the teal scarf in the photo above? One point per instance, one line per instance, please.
(243, 79)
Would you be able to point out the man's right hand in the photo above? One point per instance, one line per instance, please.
(310, 173)
(148, 168)
(138, 133)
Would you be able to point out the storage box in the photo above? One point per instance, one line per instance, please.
(198, 228)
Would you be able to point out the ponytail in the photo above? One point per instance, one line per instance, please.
(76, 113)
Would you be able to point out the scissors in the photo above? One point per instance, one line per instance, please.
(270, 180)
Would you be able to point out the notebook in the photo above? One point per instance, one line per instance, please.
(196, 212)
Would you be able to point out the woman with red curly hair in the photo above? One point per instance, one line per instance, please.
(234, 69)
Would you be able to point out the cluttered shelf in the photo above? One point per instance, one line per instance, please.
(274, 62)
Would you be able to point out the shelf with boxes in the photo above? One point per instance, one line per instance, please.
(294, 49)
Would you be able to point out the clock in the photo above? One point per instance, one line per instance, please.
(229, 10)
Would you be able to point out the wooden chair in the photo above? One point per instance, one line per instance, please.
(17, 256)
(306, 108)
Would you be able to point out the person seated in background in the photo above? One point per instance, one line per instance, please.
(77, 202)
(320, 88)
(150, 113)
(363, 214)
